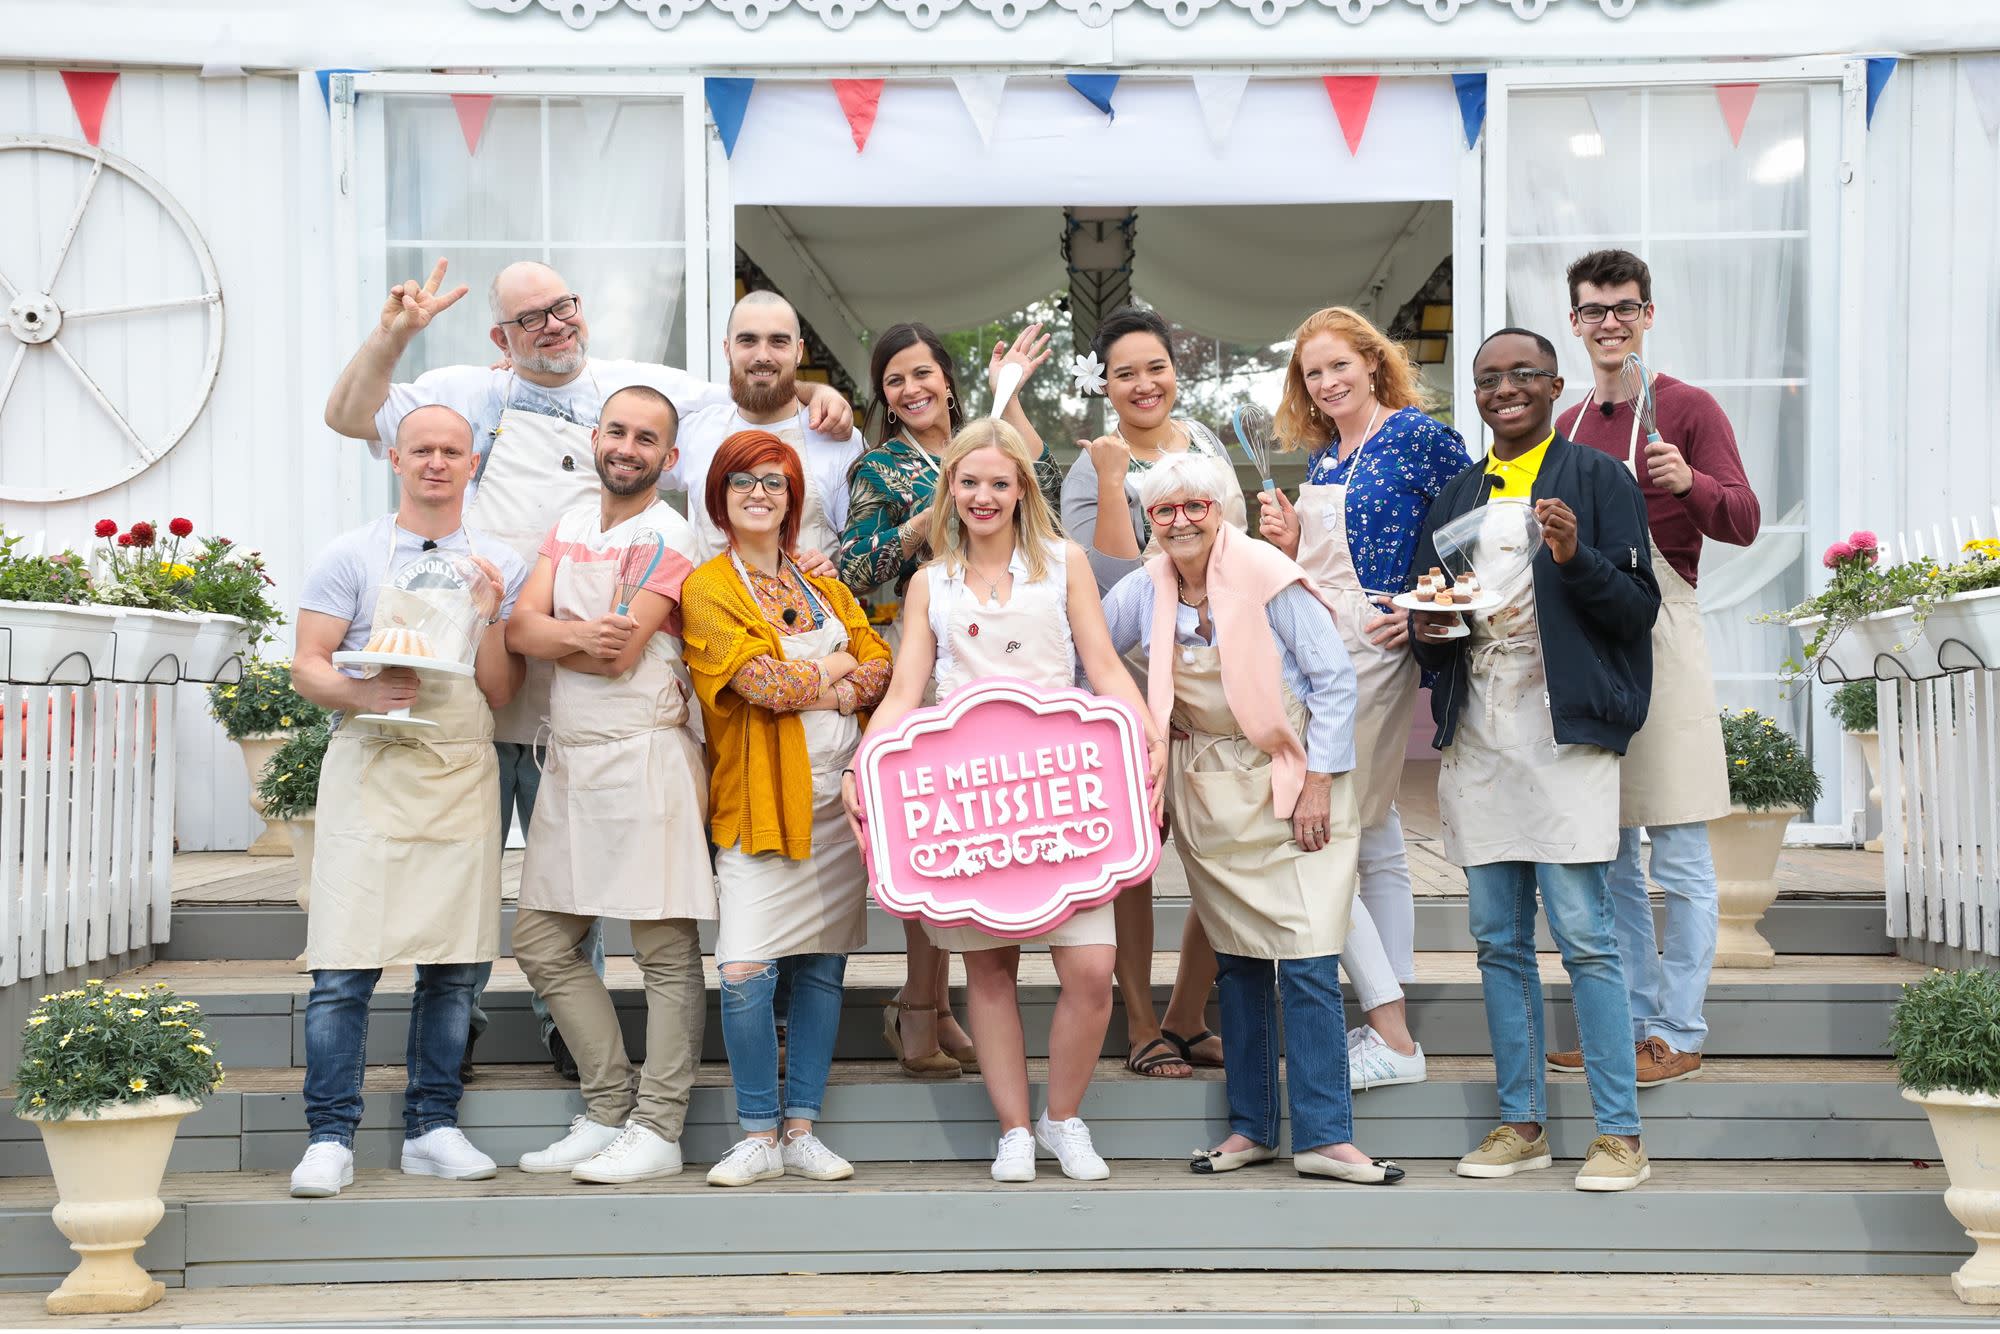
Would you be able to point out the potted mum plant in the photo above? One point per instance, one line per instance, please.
(106, 1076)
(1770, 782)
(1867, 613)
(49, 632)
(227, 588)
(289, 787)
(148, 582)
(260, 712)
(1946, 1035)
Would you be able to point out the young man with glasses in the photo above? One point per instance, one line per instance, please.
(1674, 777)
(1535, 700)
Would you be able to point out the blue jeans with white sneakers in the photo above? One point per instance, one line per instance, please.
(337, 1034)
(1668, 979)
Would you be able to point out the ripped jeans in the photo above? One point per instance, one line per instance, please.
(750, 1032)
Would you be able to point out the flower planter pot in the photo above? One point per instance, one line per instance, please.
(1966, 629)
(1917, 658)
(107, 1170)
(1745, 846)
(1967, 1126)
(50, 643)
(219, 646)
(152, 645)
(301, 829)
(257, 750)
(1854, 652)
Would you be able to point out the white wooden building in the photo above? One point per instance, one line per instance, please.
(1835, 282)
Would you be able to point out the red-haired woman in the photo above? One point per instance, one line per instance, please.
(786, 667)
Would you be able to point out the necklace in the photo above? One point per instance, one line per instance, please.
(1180, 586)
(992, 585)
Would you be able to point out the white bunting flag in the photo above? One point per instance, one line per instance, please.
(981, 94)
(1220, 95)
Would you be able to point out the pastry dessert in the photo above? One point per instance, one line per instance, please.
(400, 640)
(1444, 598)
(1425, 592)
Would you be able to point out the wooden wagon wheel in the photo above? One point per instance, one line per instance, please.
(36, 319)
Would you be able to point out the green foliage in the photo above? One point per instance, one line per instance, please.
(1767, 768)
(263, 701)
(1979, 570)
(231, 582)
(1853, 706)
(289, 785)
(1946, 1033)
(96, 1046)
(62, 577)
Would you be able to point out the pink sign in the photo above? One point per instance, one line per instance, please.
(1008, 807)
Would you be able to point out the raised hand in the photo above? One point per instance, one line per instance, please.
(1028, 351)
(1278, 521)
(1110, 456)
(412, 305)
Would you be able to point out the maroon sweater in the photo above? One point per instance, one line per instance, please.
(1720, 505)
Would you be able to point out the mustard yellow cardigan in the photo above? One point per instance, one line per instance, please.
(759, 779)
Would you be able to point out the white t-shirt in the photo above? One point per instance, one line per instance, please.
(826, 459)
(344, 580)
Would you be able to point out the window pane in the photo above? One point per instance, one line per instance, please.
(635, 303)
(1704, 183)
(437, 191)
(1569, 168)
(1729, 309)
(615, 170)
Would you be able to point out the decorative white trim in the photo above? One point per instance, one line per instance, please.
(1008, 14)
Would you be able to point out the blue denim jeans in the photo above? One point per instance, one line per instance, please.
(750, 1033)
(1668, 981)
(1316, 1087)
(1502, 909)
(337, 1035)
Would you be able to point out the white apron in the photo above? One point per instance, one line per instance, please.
(536, 469)
(1675, 770)
(406, 855)
(1257, 892)
(1386, 678)
(980, 634)
(1507, 792)
(772, 906)
(816, 531)
(621, 823)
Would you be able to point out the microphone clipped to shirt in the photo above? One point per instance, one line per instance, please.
(429, 545)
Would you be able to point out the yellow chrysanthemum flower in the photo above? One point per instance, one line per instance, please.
(136, 1013)
(37, 1020)
(1742, 763)
(138, 1084)
(93, 981)
(197, 1047)
(63, 1041)
(284, 720)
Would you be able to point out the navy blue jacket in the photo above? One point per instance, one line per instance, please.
(1596, 613)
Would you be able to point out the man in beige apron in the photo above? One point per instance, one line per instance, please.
(1674, 777)
(407, 867)
(624, 800)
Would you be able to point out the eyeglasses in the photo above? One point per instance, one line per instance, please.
(1195, 510)
(744, 483)
(1626, 311)
(534, 321)
(1523, 377)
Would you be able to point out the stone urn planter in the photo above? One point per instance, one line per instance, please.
(1745, 845)
(1967, 1126)
(107, 1170)
(257, 748)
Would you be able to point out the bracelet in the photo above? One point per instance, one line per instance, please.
(847, 773)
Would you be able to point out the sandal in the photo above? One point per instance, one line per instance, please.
(1186, 1047)
(936, 1065)
(1153, 1067)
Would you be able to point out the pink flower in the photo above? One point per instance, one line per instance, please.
(1863, 540)
(1835, 554)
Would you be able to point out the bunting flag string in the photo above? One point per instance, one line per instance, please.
(1879, 70)
(1471, 91)
(1353, 96)
(860, 100)
(1096, 90)
(981, 94)
(1220, 95)
(472, 109)
(325, 77)
(1982, 75)
(728, 101)
(89, 91)
(1735, 99)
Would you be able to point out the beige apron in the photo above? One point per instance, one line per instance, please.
(1675, 771)
(772, 906)
(1257, 892)
(537, 468)
(816, 531)
(1385, 678)
(1507, 792)
(621, 823)
(1027, 639)
(406, 853)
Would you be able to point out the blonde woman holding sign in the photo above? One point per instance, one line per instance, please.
(1007, 597)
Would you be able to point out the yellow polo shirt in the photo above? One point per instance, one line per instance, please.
(1517, 475)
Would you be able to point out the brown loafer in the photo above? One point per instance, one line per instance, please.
(1566, 1062)
(1661, 1064)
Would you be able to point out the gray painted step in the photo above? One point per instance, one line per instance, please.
(235, 1229)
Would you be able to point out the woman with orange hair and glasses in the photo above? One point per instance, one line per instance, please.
(786, 667)
(1377, 462)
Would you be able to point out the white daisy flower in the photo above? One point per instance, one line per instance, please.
(1088, 373)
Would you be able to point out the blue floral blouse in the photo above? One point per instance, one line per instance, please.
(1391, 482)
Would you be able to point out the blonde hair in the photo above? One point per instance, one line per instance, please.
(1034, 528)
(1189, 475)
(1300, 424)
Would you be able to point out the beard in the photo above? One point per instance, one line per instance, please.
(759, 399)
(644, 482)
(560, 363)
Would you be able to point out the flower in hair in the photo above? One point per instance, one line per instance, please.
(1088, 373)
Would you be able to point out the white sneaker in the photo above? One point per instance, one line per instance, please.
(635, 1154)
(326, 1168)
(1070, 1142)
(805, 1156)
(749, 1161)
(1373, 1064)
(446, 1152)
(586, 1139)
(1015, 1160)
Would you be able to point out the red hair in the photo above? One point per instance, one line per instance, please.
(743, 452)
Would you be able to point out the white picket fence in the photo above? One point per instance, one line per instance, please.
(1940, 786)
(86, 823)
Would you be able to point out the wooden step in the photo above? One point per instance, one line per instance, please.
(235, 1228)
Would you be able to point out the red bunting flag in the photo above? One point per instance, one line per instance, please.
(1735, 100)
(860, 99)
(1352, 95)
(89, 90)
(473, 109)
